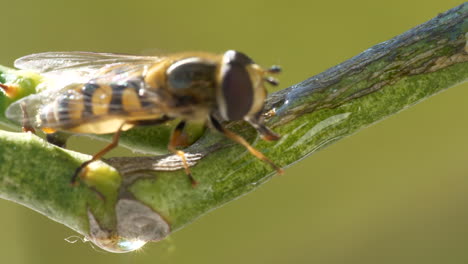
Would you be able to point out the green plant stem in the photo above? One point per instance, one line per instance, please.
(152, 197)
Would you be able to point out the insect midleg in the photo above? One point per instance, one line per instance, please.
(173, 142)
(243, 142)
(82, 168)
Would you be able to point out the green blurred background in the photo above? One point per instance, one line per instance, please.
(393, 193)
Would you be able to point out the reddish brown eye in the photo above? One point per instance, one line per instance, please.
(237, 91)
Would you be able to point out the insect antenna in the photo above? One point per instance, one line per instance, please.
(272, 81)
(274, 69)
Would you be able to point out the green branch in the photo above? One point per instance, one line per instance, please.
(150, 197)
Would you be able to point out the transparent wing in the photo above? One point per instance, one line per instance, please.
(64, 68)
(87, 62)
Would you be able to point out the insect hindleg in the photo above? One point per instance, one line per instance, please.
(152, 122)
(243, 142)
(173, 143)
(26, 126)
(82, 168)
(58, 138)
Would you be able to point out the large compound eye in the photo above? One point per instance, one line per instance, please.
(236, 86)
(191, 72)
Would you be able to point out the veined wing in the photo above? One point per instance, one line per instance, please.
(89, 62)
(64, 68)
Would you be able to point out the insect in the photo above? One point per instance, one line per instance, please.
(104, 93)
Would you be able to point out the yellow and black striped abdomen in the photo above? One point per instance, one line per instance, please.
(96, 108)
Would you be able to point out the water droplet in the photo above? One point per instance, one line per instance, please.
(119, 245)
(131, 245)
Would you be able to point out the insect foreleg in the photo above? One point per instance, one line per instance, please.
(229, 134)
(82, 169)
(173, 143)
(264, 131)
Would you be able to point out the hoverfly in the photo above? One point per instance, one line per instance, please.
(104, 93)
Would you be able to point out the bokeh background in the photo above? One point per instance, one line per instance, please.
(395, 192)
